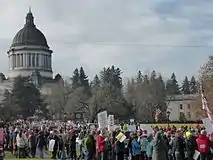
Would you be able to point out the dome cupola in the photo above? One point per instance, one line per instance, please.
(30, 52)
(29, 34)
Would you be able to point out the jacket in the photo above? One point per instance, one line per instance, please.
(203, 144)
(101, 143)
(136, 148)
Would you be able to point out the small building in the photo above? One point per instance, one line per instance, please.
(180, 105)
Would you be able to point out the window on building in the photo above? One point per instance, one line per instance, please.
(181, 106)
(189, 106)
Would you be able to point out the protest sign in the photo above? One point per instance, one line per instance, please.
(208, 125)
(51, 145)
(111, 123)
(147, 128)
(102, 120)
(121, 137)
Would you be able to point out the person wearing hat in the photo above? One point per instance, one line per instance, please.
(191, 145)
(204, 145)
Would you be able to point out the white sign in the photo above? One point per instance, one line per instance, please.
(147, 128)
(111, 123)
(208, 125)
(51, 145)
(132, 128)
(132, 120)
(196, 155)
(102, 120)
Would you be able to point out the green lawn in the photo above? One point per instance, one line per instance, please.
(8, 155)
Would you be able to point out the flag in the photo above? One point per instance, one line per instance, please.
(205, 103)
(157, 113)
(203, 99)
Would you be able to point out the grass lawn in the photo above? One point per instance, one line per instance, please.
(9, 156)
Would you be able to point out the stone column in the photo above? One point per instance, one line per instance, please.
(40, 61)
(31, 58)
(23, 59)
(35, 59)
(11, 61)
(26, 60)
(16, 60)
(50, 61)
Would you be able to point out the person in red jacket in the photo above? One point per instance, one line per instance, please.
(204, 145)
(101, 145)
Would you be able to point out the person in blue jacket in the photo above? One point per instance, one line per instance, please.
(136, 148)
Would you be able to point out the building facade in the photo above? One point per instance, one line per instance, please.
(180, 105)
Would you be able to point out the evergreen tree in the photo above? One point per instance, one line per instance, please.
(84, 82)
(185, 86)
(26, 97)
(172, 86)
(111, 75)
(75, 79)
(139, 77)
(96, 81)
(193, 85)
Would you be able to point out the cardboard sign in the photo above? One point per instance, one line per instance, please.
(121, 137)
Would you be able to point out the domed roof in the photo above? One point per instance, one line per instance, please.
(29, 35)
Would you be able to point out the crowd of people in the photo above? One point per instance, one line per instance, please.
(25, 139)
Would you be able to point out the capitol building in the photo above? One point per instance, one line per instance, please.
(29, 56)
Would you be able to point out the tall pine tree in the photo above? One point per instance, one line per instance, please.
(172, 86)
(75, 79)
(84, 82)
(185, 86)
(193, 85)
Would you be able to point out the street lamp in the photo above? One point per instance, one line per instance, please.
(168, 115)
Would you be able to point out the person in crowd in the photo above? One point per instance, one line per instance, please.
(119, 149)
(32, 144)
(72, 145)
(191, 145)
(149, 148)
(89, 144)
(204, 145)
(143, 142)
(54, 136)
(40, 143)
(159, 148)
(101, 144)
(135, 148)
(21, 142)
(178, 146)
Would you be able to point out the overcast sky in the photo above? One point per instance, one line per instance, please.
(131, 34)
